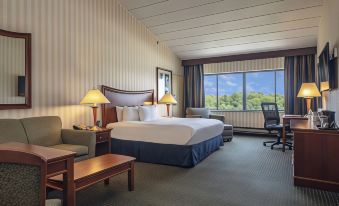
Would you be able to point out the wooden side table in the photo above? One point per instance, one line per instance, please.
(103, 141)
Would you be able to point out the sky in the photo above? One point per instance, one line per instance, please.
(255, 82)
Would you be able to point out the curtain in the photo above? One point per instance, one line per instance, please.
(298, 70)
(194, 94)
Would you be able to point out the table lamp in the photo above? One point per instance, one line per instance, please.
(324, 86)
(168, 99)
(93, 98)
(308, 91)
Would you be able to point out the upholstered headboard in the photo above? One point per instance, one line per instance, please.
(122, 98)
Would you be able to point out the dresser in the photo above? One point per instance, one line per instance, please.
(316, 156)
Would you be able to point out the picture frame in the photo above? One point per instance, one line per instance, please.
(164, 82)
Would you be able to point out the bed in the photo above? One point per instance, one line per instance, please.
(180, 142)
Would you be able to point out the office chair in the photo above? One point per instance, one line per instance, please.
(272, 123)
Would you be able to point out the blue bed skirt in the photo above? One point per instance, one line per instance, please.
(168, 154)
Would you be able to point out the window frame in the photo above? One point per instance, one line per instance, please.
(244, 88)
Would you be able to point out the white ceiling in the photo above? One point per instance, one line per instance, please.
(208, 28)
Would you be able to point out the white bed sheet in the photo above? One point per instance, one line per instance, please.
(179, 131)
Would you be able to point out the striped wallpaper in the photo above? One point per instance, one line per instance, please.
(252, 119)
(80, 44)
(12, 65)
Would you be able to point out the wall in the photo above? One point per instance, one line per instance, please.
(329, 32)
(80, 44)
(252, 119)
(12, 65)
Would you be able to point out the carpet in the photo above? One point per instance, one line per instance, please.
(242, 173)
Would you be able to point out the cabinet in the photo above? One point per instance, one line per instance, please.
(316, 159)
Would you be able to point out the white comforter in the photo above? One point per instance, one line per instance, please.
(178, 131)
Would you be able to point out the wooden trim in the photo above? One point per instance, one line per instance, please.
(28, 70)
(251, 56)
(315, 183)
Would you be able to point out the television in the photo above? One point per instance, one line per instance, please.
(327, 70)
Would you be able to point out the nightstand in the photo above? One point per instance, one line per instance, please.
(103, 141)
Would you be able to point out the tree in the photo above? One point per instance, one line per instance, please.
(235, 101)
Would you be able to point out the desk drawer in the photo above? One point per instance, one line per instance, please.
(103, 137)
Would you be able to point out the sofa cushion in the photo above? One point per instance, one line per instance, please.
(203, 112)
(11, 130)
(78, 149)
(43, 131)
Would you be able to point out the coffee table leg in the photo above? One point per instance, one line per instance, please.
(106, 181)
(131, 177)
(68, 178)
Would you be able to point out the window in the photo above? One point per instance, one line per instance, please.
(210, 84)
(259, 88)
(244, 90)
(230, 91)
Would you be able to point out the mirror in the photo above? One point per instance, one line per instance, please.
(15, 70)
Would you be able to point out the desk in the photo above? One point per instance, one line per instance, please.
(286, 121)
(315, 158)
(58, 162)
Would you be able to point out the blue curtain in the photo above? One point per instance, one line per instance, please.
(194, 94)
(298, 70)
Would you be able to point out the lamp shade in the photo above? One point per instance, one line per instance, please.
(309, 90)
(168, 99)
(94, 97)
(324, 86)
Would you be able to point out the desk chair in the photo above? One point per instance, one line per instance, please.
(23, 180)
(272, 123)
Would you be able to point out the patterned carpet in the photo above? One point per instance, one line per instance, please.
(242, 173)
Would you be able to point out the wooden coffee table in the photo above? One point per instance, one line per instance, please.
(91, 171)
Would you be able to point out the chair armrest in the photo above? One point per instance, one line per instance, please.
(193, 116)
(218, 117)
(80, 137)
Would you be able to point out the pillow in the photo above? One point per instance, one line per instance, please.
(148, 113)
(130, 114)
(119, 113)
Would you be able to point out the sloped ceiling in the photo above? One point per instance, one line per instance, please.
(208, 28)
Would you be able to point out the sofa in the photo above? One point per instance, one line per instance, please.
(47, 131)
(192, 112)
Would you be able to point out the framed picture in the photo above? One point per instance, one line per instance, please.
(164, 82)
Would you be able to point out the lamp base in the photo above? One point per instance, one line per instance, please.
(168, 109)
(94, 115)
(308, 104)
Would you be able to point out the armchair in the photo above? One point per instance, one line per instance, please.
(206, 113)
(22, 177)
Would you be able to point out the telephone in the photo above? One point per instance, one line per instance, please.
(81, 127)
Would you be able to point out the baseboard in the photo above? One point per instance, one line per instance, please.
(253, 132)
(315, 183)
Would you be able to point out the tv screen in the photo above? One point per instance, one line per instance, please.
(324, 68)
